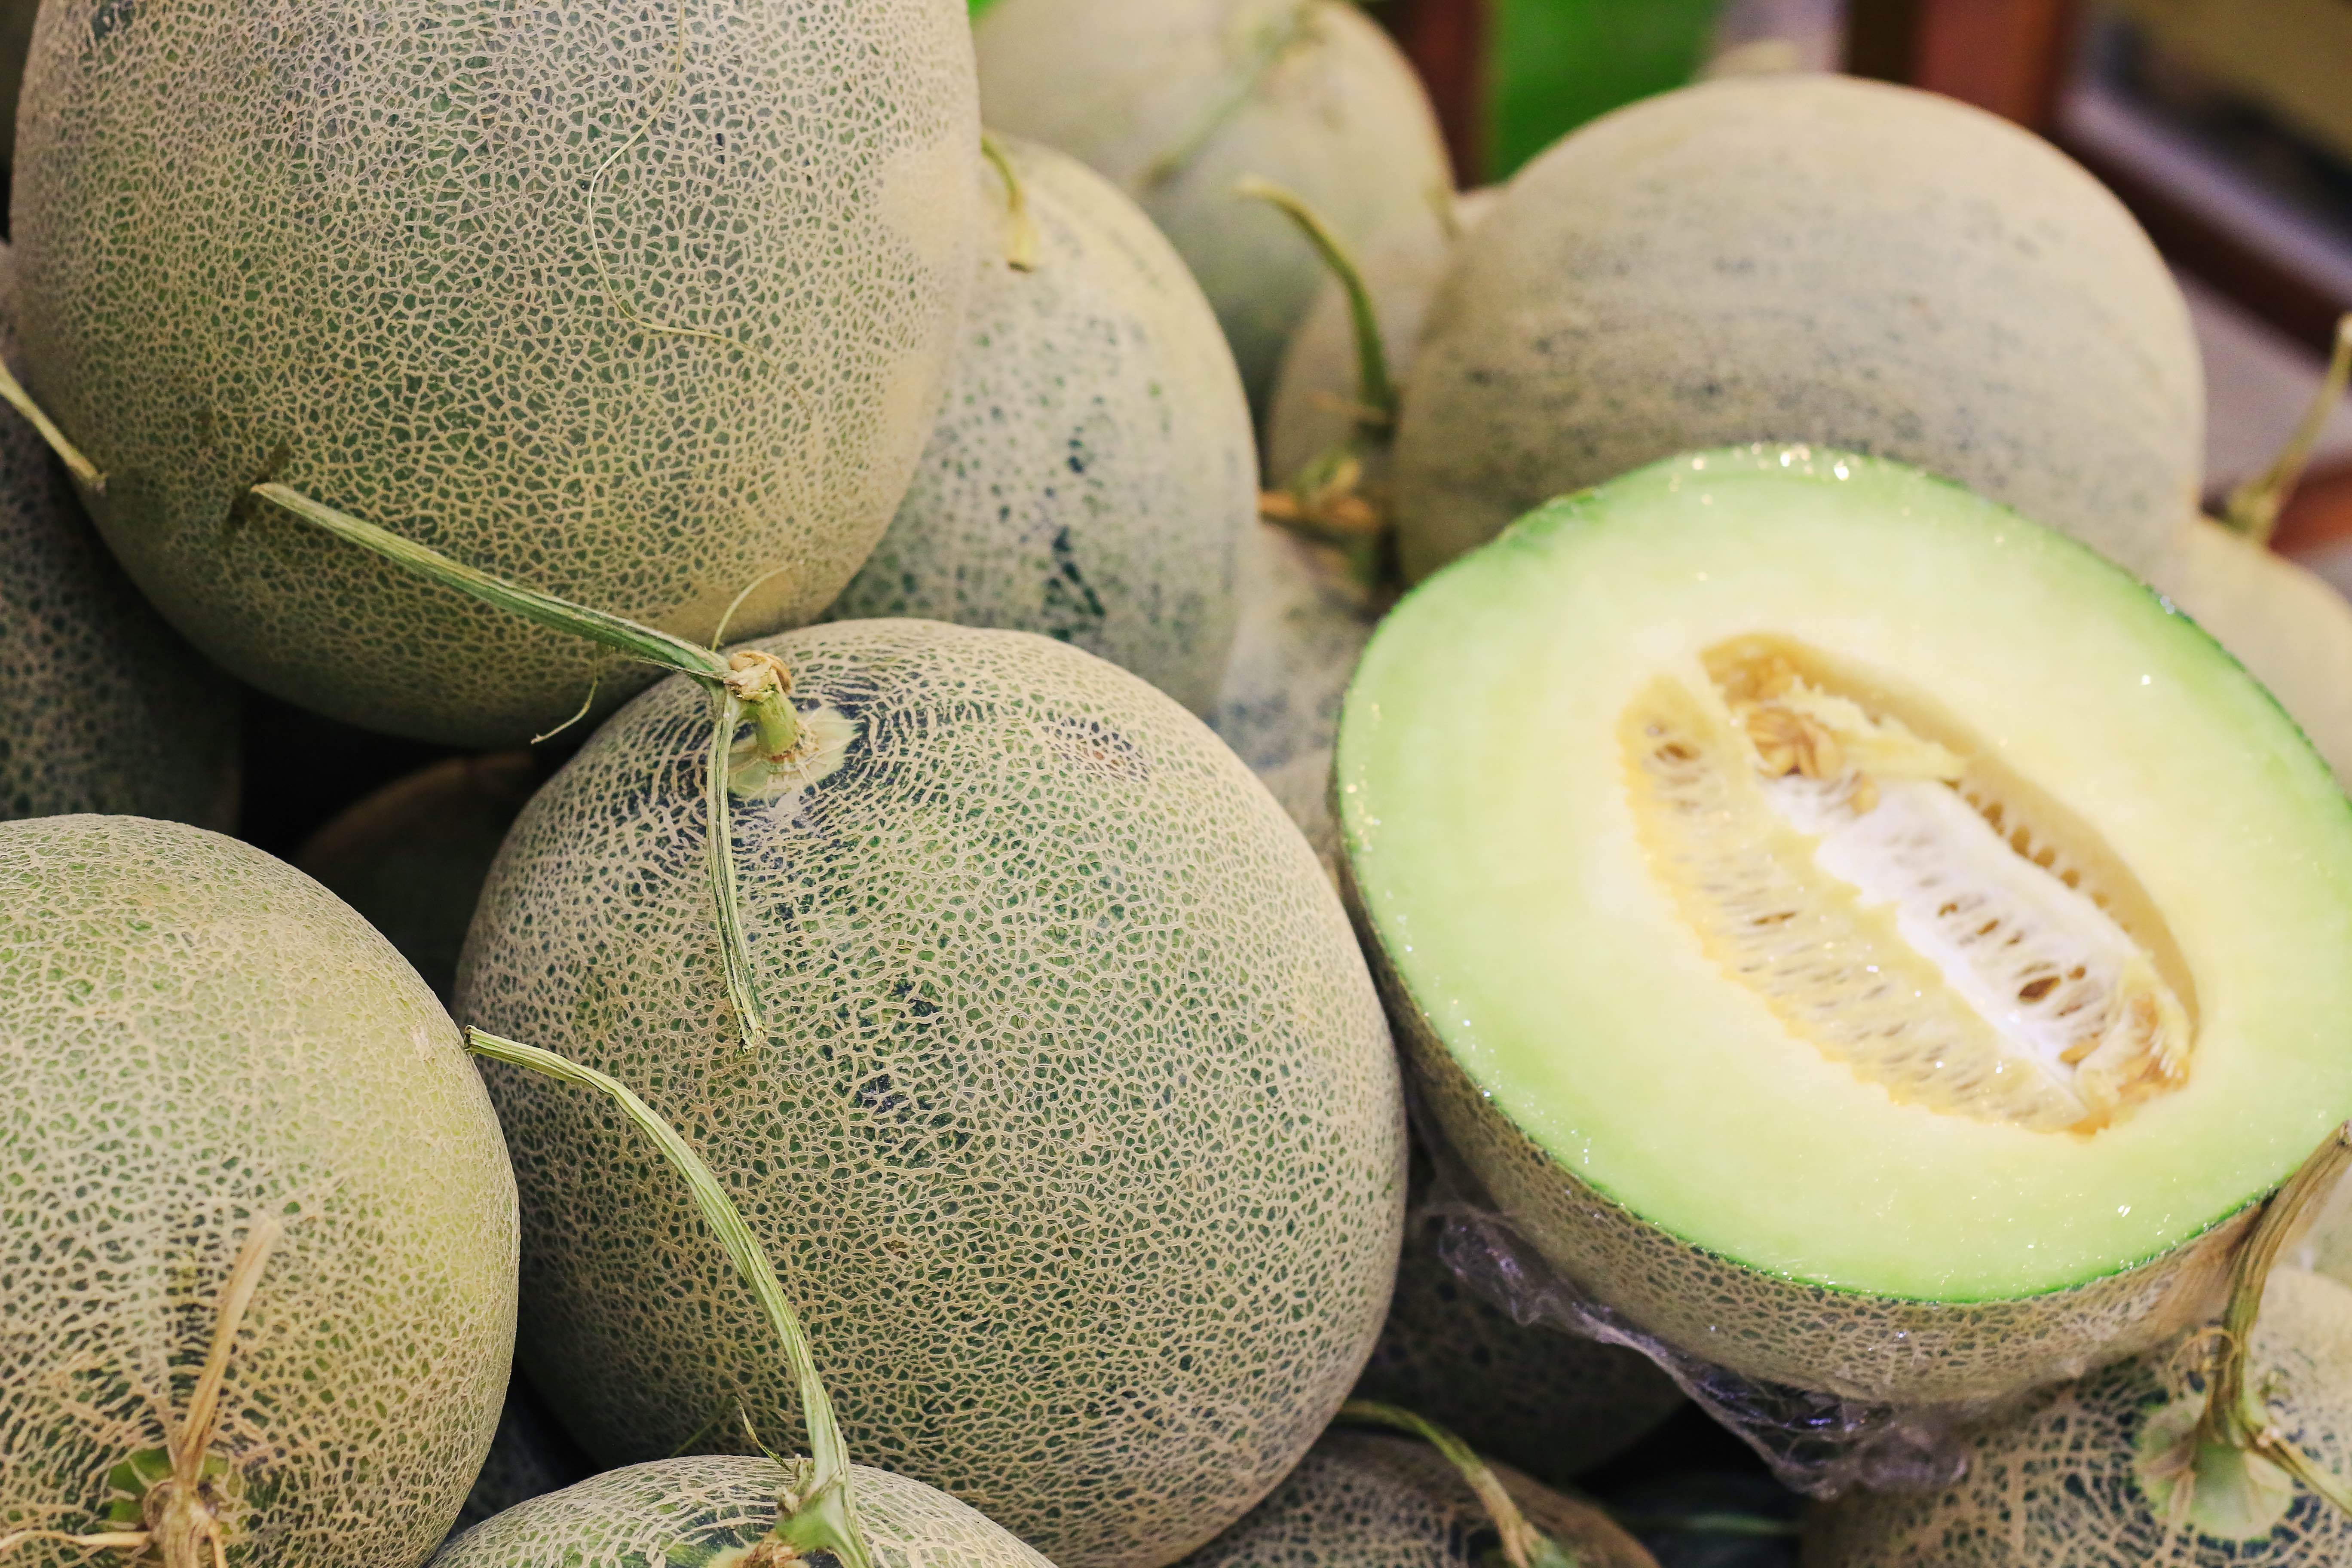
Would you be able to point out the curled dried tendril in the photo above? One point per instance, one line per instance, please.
(1524, 1546)
(176, 1495)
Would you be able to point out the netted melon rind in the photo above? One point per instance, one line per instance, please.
(1773, 1329)
(1092, 476)
(1302, 628)
(716, 1503)
(1371, 1500)
(1343, 121)
(102, 708)
(2052, 1485)
(1807, 258)
(1080, 1143)
(353, 250)
(528, 1457)
(197, 1034)
(1551, 1403)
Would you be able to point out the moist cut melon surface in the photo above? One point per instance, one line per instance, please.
(1865, 891)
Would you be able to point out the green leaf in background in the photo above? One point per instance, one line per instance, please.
(1554, 64)
(980, 5)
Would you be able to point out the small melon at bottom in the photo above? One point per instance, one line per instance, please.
(1864, 937)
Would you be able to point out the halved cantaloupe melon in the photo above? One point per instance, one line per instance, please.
(1859, 934)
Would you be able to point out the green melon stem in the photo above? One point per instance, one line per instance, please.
(1022, 243)
(2234, 1416)
(745, 685)
(2255, 506)
(1268, 49)
(1376, 395)
(824, 1516)
(80, 466)
(1523, 1544)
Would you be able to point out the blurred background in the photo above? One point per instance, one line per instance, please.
(2225, 125)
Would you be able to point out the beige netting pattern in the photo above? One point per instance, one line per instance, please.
(635, 300)
(1362, 1498)
(704, 1511)
(1079, 1142)
(101, 706)
(1092, 475)
(195, 1038)
(2057, 1484)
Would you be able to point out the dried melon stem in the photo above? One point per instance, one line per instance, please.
(1898, 899)
(179, 1494)
(2255, 506)
(1524, 1546)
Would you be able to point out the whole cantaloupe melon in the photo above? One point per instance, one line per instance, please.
(1806, 259)
(197, 1044)
(102, 708)
(712, 1511)
(1392, 1502)
(641, 305)
(2080, 1475)
(1078, 1136)
(1178, 101)
(1092, 475)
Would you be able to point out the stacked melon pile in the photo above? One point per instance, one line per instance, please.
(1849, 946)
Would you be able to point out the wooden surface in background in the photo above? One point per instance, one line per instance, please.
(1447, 40)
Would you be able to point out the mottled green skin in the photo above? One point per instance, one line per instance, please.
(101, 706)
(194, 1036)
(1092, 475)
(1304, 624)
(1371, 1500)
(1806, 259)
(638, 308)
(1341, 119)
(704, 1512)
(1079, 1138)
(412, 856)
(2057, 1483)
(1549, 1402)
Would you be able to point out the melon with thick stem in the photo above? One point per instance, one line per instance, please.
(1806, 259)
(1077, 1132)
(205, 1048)
(1800, 889)
(1361, 1498)
(2080, 1475)
(1178, 101)
(642, 305)
(1092, 475)
(102, 709)
(715, 1510)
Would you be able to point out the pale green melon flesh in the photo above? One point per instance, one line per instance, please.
(2289, 628)
(1484, 804)
(1092, 475)
(1079, 1142)
(1384, 1501)
(102, 708)
(2063, 1481)
(1806, 259)
(637, 306)
(704, 1512)
(1341, 119)
(196, 1036)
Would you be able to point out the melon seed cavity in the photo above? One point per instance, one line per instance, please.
(1899, 898)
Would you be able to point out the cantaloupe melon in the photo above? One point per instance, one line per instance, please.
(412, 856)
(529, 1456)
(1803, 896)
(1076, 1135)
(102, 708)
(1806, 259)
(2288, 625)
(1532, 1395)
(1360, 1498)
(1092, 475)
(204, 1048)
(713, 1513)
(1178, 101)
(645, 304)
